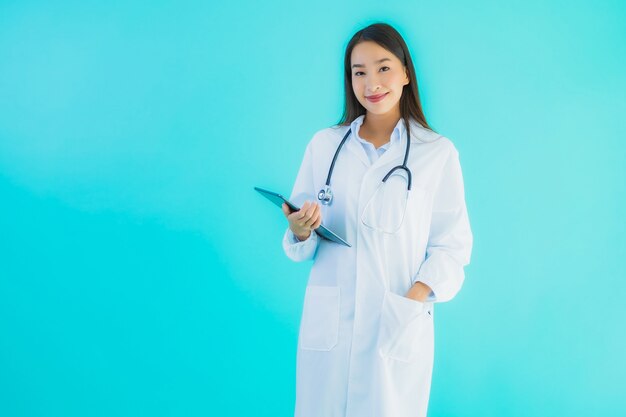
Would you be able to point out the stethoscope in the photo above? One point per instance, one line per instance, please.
(325, 195)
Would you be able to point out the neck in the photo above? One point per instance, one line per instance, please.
(381, 125)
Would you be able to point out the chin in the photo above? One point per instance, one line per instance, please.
(378, 110)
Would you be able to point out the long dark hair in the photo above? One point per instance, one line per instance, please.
(389, 38)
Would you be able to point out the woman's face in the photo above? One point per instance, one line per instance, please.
(376, 72)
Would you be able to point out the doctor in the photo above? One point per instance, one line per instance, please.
(366, 340)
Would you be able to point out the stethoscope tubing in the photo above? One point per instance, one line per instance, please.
(404, 166)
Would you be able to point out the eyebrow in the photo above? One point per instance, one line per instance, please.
(377, 62)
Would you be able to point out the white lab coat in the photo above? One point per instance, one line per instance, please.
(364, 349)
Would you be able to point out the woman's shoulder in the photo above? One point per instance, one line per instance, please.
(331, 135)
(428, 138)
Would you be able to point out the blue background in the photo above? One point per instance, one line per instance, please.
(141, 275)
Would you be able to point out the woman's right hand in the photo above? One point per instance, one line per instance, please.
(303, 221)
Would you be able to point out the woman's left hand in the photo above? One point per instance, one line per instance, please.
(419, 291)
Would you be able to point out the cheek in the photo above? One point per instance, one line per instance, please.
(398, 80)
(357, 89)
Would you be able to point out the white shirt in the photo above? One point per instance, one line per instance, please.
(374, 153)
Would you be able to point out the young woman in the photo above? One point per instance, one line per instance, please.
(392, 188)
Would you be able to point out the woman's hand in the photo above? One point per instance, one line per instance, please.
(303, 221)
(419, 291)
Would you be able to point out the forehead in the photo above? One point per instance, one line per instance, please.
(370, 53)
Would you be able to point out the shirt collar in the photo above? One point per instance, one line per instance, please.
(396, 135)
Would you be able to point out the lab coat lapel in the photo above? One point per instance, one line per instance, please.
(356, 148)
(391, 157)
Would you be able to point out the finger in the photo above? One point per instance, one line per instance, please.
(312, 222)
(318, 223)
(311, 210)
(302, 211)
(316, 212)
(294, 214)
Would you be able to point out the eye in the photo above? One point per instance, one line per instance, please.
(356, 74)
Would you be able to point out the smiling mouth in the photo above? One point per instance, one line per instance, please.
(376, 98)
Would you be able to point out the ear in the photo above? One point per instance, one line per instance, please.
(407, 79)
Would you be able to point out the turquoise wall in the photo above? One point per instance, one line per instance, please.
(141, 275)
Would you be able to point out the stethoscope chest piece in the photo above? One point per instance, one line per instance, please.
(325, 195)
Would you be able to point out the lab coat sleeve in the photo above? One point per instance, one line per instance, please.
(303, 190)
(450, 239)
(300, 250)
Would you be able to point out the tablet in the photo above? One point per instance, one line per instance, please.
(321, 230)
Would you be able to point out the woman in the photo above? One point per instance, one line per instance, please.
(366, 339)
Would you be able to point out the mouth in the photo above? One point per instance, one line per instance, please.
(376, 98)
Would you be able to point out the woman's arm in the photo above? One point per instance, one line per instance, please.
(303, 189)
(450, 240)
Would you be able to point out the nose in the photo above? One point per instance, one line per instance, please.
(373, 88)
(372, 84)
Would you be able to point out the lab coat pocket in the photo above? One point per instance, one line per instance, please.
(405, 326)
(319, 329)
